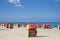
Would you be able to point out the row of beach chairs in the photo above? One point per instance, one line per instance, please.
(45, 26)
(9, 25)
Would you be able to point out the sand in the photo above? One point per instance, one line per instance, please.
(21, 34)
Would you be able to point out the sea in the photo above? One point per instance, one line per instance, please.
(53, 24)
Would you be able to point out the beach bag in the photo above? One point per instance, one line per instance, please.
(32, 26)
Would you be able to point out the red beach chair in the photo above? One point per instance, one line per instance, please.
(47, 26)
(32, 32)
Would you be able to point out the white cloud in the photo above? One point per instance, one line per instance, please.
(15, 2)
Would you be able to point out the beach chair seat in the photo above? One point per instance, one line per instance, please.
(32, 33)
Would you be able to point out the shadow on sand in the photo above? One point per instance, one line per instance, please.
(4, 29)
(42, 36)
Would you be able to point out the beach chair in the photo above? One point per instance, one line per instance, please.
(11, 26)
(18, 25)
(47, 26)
(39, 25)
(32, 32)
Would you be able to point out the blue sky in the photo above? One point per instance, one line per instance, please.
(30, 10)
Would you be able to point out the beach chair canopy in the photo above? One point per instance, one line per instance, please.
(32, 26)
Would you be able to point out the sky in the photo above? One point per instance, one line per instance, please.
(29, 10)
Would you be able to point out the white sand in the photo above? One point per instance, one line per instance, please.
(21, 34)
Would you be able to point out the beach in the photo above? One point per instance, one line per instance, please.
(21, 34)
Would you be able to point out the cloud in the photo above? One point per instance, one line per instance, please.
(17, 3)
